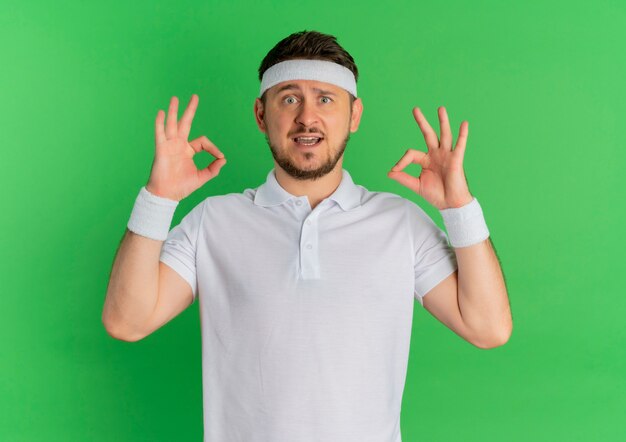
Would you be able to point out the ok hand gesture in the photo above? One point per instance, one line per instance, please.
(442, 180)
(174, 175)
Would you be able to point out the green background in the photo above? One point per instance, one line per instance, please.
(542, 86)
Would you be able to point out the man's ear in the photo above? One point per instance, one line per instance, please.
(357, 111)
(259, 113)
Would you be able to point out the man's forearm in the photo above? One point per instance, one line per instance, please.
(483, 299)
(133, 286)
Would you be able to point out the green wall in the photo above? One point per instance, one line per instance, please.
(542, 86)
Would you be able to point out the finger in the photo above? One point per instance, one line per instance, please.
(432, 142)
(159, 132)
(461, 141)
(407, 180)
(211, 171)
(445, 141)
(411, 156)
(203, 143)
(172, 118)
(184, 125)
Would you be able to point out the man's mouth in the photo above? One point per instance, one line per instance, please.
(307, 141)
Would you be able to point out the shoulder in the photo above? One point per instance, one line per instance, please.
(416, 218)
(382, 201)
(229, 199)
(388, 201)
(224, 204)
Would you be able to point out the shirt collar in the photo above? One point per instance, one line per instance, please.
(271, 193)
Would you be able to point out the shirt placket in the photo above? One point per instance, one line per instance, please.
(309, 240)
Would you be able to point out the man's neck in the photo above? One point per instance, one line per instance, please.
(315, 190)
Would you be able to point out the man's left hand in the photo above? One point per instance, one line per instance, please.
(442, 180)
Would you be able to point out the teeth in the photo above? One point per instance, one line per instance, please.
(308, 140)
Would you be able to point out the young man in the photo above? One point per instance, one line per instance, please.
(306, 283)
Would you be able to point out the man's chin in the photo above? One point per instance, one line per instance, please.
(306, 169)
(309, 173)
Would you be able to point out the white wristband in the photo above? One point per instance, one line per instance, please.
(465, 225)
(152, 215)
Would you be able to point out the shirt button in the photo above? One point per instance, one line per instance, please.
(309, 246)
(308, 221)
(298, 202)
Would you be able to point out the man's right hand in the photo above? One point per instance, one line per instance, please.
(174, 175)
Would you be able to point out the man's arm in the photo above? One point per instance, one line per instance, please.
(483, 298)
(473, 301)
(476, 307)
(142, 293)
(133, 287)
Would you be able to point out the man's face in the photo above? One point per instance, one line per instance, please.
(307, 108)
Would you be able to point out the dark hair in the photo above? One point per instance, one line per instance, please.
(311, 45)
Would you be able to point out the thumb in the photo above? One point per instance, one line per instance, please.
(407, 180)
(211, 171)
(412, 156)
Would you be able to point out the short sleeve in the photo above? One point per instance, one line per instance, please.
(434, 258)
(179, 249)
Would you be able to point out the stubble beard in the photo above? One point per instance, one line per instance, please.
(307, 174)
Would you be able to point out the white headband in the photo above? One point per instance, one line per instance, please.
(301, 69)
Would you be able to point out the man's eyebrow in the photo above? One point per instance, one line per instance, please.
(292, 86)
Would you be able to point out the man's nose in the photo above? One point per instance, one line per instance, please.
(307, 114)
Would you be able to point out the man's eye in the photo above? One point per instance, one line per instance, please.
(289, 98)
(329, 99)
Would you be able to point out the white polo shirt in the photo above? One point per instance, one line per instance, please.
(306, 314)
